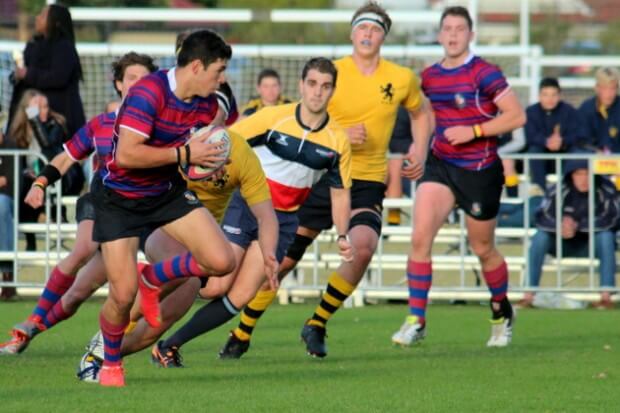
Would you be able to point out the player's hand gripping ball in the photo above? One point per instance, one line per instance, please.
(215, 134)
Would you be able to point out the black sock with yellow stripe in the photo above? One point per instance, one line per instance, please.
(252, 312)
(338, 289)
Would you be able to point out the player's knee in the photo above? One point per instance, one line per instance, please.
(482, 249)
(122, 300)
(298, 248)
(222, 264)
(421, 243)
(363, 254)
(368, 219)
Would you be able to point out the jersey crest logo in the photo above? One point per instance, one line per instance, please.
(221, 183)
(459, 100)
(388, 92)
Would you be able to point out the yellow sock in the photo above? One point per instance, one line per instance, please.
(338, 289)
(393, 217)
(512, 180)
(252, 312)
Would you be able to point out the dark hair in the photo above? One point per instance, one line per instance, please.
(549, 82)
(321, 64)
(373, 7)
(267, 73)
(60, 26)
(457, 11)
(204, 45)
(129, 59)
(59, 22)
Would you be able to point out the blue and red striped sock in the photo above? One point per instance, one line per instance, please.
(419, 277)
(181, 266)
(56, 286)
(56, 314)
(497, 281)
(112, 339)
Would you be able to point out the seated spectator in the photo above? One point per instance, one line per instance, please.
(601, 113)
(36, 128)
(7, 217)
(552, 126)
(511, 142)
(574, 227)
(399, 145)
(269, 91)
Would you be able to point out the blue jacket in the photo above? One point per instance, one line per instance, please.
(600, 131)
(575, 203)
(540, 124)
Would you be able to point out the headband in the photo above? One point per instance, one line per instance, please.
(370, 18)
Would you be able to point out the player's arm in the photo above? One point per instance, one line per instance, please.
(50, 174)
(268, 230)
(134, 152)
(422, 126)
(511, 115)
(341, 214)
(255, 191)
(340, 194)
(77, 148)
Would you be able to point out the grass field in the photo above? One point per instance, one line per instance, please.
(560, 361)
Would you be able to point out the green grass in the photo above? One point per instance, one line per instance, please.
(560, 361)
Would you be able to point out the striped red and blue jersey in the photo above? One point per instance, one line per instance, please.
(465, 95)
(95, 136)
(152, 110)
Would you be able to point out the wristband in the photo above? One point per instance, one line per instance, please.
(343, 236)
(50, 173)
(478, 133)
(39, 183)
(187, 155)
(178, 150)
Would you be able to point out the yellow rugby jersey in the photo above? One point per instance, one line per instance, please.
(294, 156)
(372, 101)
(244, 172)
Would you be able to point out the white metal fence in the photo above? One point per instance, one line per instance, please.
(456, 270)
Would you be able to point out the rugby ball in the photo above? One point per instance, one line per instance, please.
(215, 134)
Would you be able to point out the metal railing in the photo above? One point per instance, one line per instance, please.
(384, 276)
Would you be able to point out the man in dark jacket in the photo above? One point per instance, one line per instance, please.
(552, 127)
(574, 226)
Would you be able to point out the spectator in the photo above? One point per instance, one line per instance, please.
(601, 113)
(7, 217)
(36, 128)
(574, 227)
(51, 65)
(269, 91)
(399, 145)
(552, 127)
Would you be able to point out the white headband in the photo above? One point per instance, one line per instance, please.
(370, 18)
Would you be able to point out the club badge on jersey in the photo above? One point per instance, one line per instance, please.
(459, 101)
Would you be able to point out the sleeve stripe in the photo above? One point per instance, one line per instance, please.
(134, 130)
(502, 94)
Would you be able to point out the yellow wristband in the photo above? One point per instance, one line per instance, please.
(478, 131)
